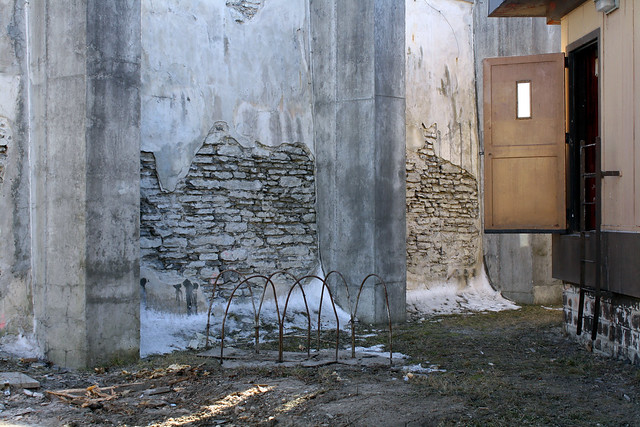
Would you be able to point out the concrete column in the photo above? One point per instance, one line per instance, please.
(84, 67)
(359, 109)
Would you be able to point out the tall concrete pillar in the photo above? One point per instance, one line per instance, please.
(84, 71)
(359, 120)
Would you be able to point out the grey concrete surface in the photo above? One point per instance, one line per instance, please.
(16, 308)
(85, 144)
(519, 265)
(358, 87)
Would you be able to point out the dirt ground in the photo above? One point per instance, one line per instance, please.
(506, 369)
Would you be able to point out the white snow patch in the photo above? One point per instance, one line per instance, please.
(162, 332)
(419, 369)
(378, 350)
(165, 332)
(443, 298)
(20, 346)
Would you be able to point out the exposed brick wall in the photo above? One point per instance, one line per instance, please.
(442, 217)
(618, 328)
(247, 209)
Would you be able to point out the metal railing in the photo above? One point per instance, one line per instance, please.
(246, 281)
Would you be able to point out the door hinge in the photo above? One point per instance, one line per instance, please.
(566, 62)
(567, 138)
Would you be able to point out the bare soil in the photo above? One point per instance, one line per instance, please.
(504, 369)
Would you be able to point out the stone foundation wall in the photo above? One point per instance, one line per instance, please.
(249, 209)
(442, 217)
(618, 328)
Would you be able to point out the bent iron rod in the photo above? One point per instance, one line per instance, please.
(268, 283)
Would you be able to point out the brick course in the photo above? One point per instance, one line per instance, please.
(618, 328)
(249, 209)
(442, 217)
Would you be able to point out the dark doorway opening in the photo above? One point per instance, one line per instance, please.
(584, 121)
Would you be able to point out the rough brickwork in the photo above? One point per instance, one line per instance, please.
(442, 217)
(249, 209)
(618, 328)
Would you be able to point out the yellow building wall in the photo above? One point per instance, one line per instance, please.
(619, 104)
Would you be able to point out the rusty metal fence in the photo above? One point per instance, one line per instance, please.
(268, 283)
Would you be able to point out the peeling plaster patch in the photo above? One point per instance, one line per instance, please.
(244, 10)
(443, 88)
(200, 67)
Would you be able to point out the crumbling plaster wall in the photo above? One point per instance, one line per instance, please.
(16, 309)
(244, 63)
(444, 237)
(227, 143)
(247, 209)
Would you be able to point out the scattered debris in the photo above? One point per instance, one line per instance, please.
(189, 389)
(91, 397)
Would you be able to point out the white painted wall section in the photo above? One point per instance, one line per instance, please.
(244, 63)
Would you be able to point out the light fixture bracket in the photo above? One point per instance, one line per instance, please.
(607, 6)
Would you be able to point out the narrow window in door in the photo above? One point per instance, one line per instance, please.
(523, 101)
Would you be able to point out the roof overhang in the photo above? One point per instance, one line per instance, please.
(553, 10)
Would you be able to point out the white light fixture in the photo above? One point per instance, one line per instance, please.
(607, 6)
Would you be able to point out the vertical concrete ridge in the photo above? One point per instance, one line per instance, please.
(359, 131)
(85, 141)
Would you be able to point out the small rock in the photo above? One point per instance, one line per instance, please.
(33, 393)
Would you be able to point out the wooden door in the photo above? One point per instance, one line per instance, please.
(524, 138)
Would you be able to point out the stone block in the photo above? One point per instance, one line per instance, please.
(18, 380)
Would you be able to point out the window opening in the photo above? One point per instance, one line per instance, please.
(523, 99)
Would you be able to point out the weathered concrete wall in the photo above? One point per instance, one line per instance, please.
(85, 117)
(618, 327)
(519, 265)
(241, 62)
(443, 224)
(16, 310)
(227, 142)
(359, 104)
